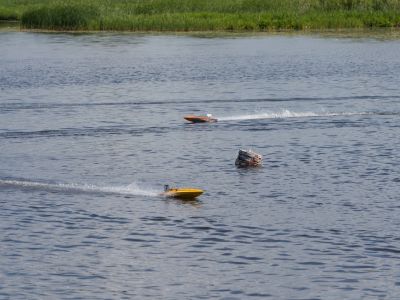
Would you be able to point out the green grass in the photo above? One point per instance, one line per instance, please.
(201, 15)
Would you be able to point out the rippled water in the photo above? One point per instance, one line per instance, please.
(91, 128)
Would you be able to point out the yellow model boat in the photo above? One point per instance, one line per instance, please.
(182, 193)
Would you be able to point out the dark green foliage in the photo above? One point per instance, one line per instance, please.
(8, 14)
(60, 16)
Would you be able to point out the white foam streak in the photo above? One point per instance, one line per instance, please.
(131, 189)
(285, 114)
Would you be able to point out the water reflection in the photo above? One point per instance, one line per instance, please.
(191, 202)
(9, 26)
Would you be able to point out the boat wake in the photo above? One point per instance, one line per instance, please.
(288, 114)
(131, 189)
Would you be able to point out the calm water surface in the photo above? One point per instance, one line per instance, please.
(91, 128)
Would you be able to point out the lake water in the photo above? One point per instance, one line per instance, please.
(91, 128)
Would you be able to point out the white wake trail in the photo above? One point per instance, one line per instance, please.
(287, 114)
(131, 189)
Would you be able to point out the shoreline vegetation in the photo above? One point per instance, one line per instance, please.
(201, 15)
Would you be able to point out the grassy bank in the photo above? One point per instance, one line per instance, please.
(201, 15)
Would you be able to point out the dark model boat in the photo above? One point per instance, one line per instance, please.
(248, 158)
(200, 119)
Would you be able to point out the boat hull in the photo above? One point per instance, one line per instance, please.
(199, 119)
(183, 193)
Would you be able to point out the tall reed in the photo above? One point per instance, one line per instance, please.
(70, 16)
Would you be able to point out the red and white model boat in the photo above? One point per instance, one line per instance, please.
(200, 119)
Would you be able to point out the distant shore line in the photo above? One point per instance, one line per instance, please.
(378, 33)
(202, 15)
